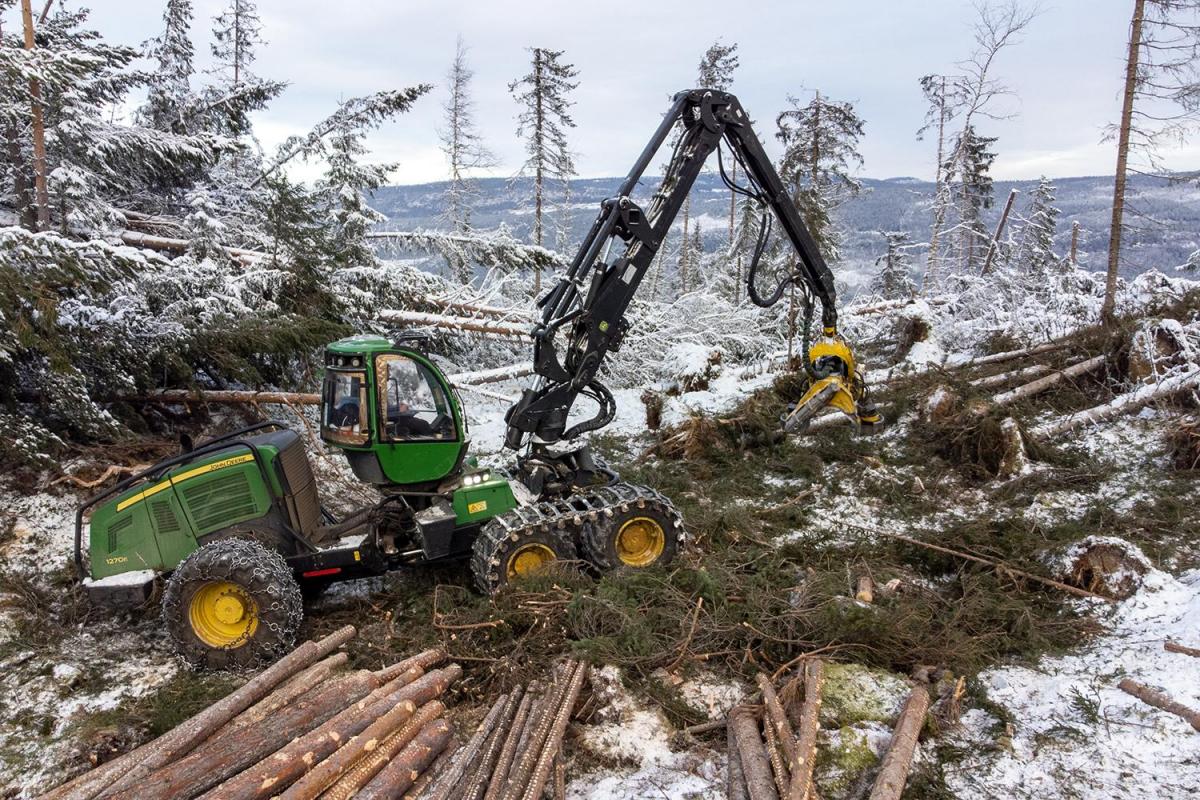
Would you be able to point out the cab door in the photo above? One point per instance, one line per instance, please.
(420, 428)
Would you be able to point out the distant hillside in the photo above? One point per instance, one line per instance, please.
(1167, 231)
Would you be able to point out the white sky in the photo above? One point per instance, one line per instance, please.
(1067, 70)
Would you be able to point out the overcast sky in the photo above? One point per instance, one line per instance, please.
(1067, 70)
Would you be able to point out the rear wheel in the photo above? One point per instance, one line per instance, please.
(633, 534)
(232, 604)
(503, 554)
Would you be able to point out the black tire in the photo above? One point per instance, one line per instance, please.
(239, 575)
(649, 527)
(498, 545)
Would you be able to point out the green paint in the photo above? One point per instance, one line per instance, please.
(495, 495)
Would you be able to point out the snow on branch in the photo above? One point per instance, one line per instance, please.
(499, 250)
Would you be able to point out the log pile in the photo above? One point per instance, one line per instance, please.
(769, 759)
(304, 727)
(518, 744)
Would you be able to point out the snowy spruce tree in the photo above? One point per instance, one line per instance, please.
(464, 148)
(968, 175)
(820, 141)
(1033, 253)
(237, 35)
(894, 281)
(342, 194)
(544, 95)
(169, 101)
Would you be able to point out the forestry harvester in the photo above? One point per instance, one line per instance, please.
(236, 524)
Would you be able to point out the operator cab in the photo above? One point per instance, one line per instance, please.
(390, 409)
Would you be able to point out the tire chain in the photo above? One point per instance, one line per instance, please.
(265, 567)
(569, 513)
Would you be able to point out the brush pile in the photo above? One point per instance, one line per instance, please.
(518, 744)
(302, 728)
(769, 759)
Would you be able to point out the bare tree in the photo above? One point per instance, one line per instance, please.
(973, 93)
(464, 148)
(1160, 104)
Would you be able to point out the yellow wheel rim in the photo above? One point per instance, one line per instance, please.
(223, 615)
(640, 542)
(528, 559)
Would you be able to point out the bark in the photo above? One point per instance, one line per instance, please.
(1157, 699)
(424, 661)
(995, 242)
(174, 396)
(735, 777)
(325, 774)
(293, 688)
(224, 757)
(444, 790)
(168, 245)
(39, 129)
(806, 743)
(778, 763)
(487, 311)
(183, 738)
(530, 749)
(774, 717)
(455, 323)
(404, 770)
(561, 719)
(482, 773)
(1175, 647)
(864, 590)
(1118, 206)
(1050, 381)
(504, 761)
(374, 760)
(492, 375)
(1124, 404)
(756, 766)
(1002, 378)
(893, 774)
(288, 764)
(430, 775)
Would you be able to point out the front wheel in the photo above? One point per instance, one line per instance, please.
(232, 604)
(504, 552)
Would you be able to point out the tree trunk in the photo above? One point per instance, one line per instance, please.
(1107, 310)
(529, 753)
(1157, 699)
(455, 323)
(805, 755)
(1075, 243)
(486, 766)
(178, 742)
(404, 769)
(756, 765)
(435, 771)
(894, 772)
(284, 767)
(1053, 379)
(929, 280)
(457, 771)
(1002, 378)
(775, 718)
(39, 129)
(504, 761)
(293, 688)
(735, 776)
(177, 396)
(554, 737)
(778, 763)
(1124, 404)
(1175, 647)
(995, 243)
(222, 758)
(373, 756)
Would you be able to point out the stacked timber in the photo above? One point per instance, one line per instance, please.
(304, 727)
(771, 760)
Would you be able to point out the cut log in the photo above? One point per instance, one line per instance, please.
(1157, 699)
(1033, 388)
(180, 246)
(735, 777)
(1175, 647)
(275, 773)
(374, 758)
(810, 725)
(504, 761)
(510, 372)
(430, 775)
(559, 722)
(864, 589)
(424, 661)
(779, 767)
(131, 767)
(527, 758)
(181, 396)
(403, 770)
(1002, 378)
(421, 319)
(222, 758)
(775, 718)
(456, 772)
(523, 314)
(756, 765)
(294, 687)
(1124, 404)
(893, 773)
(482, 773)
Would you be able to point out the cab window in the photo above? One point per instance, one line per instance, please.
(346, 407)
(412, 404)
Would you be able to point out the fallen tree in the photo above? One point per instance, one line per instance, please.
(1123, 404)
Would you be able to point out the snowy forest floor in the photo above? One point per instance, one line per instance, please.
(777, 548)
